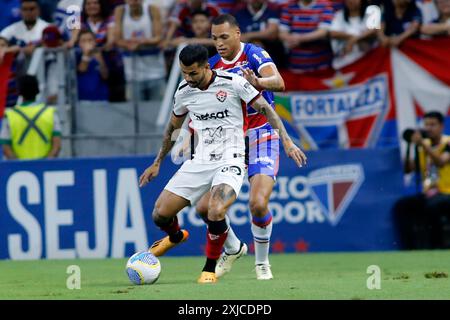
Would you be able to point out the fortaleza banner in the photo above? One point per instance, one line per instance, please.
(372, 101)
(93, 208)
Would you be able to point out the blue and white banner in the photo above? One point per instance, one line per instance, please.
(93, 208)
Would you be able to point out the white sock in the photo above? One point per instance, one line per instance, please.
(232, 243)
(261, 239)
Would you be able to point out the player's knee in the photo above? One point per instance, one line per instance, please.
(202, 209)
(258, 206)
(159, 218)
(216, 211)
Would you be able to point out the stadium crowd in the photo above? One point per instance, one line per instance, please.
(117, 43)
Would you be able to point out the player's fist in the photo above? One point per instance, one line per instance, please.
(295, 153)
(149, 173)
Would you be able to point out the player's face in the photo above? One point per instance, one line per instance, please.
(227, 40)
(433, 127)
(194, 74)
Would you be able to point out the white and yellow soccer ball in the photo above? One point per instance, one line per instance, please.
(143, 268)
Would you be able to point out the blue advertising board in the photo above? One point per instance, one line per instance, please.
(93, 208)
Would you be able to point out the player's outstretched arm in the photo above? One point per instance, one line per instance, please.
(270, 80)
(167, 144)
(291, 149)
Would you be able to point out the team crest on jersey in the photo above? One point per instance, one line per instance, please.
(333, 189)
(221, 95)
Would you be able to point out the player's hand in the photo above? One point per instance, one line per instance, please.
(251, 77)
(149, 173)
(295, 153)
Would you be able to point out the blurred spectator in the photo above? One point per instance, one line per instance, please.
(351, 37)
(30, 130)
(26, 33)
(422, 218)
(225, 6)
(400, 22)
(8, 60)
(304, 29)
(181, 20)
(201, 27)
(258, 21)
(440, 26)
(96, 17)
(139, 32)
(51, 39)
(9, 13)
(92, 71)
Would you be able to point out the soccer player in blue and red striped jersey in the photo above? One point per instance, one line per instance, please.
(304, 28)
(256, 65)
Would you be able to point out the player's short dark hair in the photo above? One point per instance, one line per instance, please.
(435, 115)
(194, 53)
(28, 87)
(225, 18)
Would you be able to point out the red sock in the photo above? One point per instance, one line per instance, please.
(214, 244)
(172, 228)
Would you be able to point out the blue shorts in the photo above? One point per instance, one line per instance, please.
(263, 151)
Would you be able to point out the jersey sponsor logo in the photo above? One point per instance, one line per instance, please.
(213, 116)
(333, 188)
(212, 134)
(221, 95)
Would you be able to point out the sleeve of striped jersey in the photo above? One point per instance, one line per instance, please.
(286, 19)
(178, 109)
(326, 18)
(244, 89)
(259, 57)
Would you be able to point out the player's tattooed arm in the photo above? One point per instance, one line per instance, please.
(167, 144)
(291, 149)
(168, 139)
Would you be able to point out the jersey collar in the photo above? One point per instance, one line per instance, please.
(210, 81)
(235, 58)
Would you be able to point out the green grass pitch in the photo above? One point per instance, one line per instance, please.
(404, 275)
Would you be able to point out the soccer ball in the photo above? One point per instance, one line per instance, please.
(143, 268)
